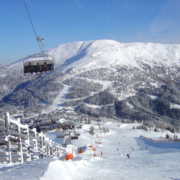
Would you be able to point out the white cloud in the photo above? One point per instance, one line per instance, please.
(159, 25)
(80, 31)
(98, 15)
(7, 13)
(79, 4)
(167, 19)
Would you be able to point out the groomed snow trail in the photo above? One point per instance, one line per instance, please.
(148, 161)
(153, 163)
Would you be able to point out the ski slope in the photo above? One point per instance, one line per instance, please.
(148, 160)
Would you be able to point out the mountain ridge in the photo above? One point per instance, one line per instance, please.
(96, 52)
(100, 51)
(82, 72)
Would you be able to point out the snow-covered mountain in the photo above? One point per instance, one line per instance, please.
(102, 78)
(104, 53)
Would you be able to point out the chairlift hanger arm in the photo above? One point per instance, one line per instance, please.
(40, 39)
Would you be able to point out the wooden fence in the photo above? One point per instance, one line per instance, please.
(18, 143)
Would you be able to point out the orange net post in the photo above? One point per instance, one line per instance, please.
(81, 150)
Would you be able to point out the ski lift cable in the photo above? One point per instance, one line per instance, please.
(32, 26)
(35, 65)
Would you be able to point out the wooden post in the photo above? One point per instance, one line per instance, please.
(20, 152)
(56, 151)
(59, 152)
(7, 122)
(7, 119)
(43, 151)
(9, 160)
(48, 150)
(35, 143)
(41, 143)
(51, 150)
(28, 144)
(46, 147)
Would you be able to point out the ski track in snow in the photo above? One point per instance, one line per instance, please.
(148, 160)
(62, 95)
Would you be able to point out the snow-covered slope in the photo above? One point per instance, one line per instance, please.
(104, 53)
(148, 160)
(108, 52)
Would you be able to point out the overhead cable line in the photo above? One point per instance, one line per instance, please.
(33, 26)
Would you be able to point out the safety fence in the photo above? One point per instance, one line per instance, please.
(19, 143)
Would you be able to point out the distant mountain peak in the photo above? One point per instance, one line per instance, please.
(110, 52)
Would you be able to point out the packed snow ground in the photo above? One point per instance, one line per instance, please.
(148, 160)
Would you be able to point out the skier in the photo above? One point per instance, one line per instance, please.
(41, 156)
(101, 153)
(128, 155)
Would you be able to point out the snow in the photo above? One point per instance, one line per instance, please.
(90, 55)
(130, 105)
(174, 106)
(93, 106)
(85, 55)
(153, 97)
(26, 171)
(154, 84)
(103, 53)
(61, 120)
(148, 160)
(61, 97)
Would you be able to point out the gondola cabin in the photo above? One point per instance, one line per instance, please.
(38, 64)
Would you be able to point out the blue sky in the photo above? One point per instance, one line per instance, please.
(64, 21)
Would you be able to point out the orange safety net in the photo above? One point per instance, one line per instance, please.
(69, 156)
